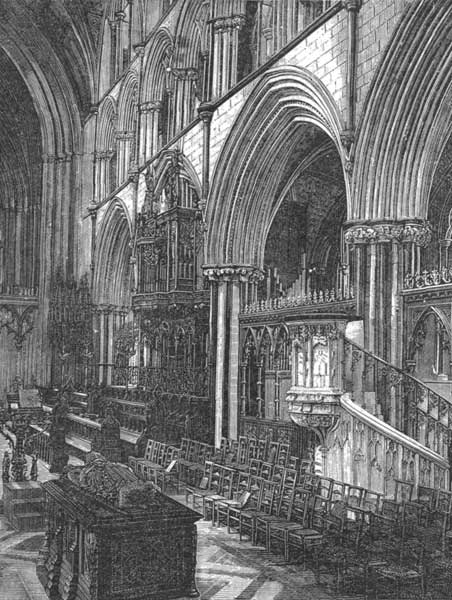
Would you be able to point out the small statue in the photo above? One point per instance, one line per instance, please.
(6, 466)
(188, 426)
(34, 468)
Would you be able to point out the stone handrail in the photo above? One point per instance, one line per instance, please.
(381, 454)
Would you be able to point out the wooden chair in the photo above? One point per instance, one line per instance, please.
(234, 512)
(273, 449)
(403, 491)
(427, 496)
(253, 449)
(255, 467)
(248, 516)
(261, 449)
(240, 496)
(371, 501)
(296, 532)
(223, 493)
(266, 471)
(205, 484)
(243, 450)
(280, 513)
(293, 462)
(355, 495)
(402, 567)
(283, 455)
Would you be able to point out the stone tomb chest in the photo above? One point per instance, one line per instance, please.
(111, 537)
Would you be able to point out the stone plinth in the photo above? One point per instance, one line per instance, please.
(23, 505)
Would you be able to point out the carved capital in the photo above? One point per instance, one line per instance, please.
(92, 210)
(139, 49)
(120, 16)
(127, 136)
(205, 112)
(186, 73)
(228, 23)
(415, 233)
(242, 273)
(351, 5)
(347, 138)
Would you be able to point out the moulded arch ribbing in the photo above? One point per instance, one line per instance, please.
(188, 35)
(127, 102)
(406, 119)
(154, 77)
(112, 252)
(240, 204)
(429, 310)
(107, 131)
(51, 93)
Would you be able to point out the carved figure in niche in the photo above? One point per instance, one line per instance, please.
(171, 183)
(301, 368)
(320, 366)
(150, 208)
(6, 466)
(188, 426)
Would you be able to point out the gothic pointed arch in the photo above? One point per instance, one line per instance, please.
(106, 138)
(274, 132)
(156, 60)
(111, 284)
(127, 102)
(406, 120)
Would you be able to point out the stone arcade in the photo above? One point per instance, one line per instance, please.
(225, 231)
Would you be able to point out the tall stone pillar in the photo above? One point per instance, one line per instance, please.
(380, 255)
(229, 282)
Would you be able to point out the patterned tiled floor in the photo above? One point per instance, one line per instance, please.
(227, 568)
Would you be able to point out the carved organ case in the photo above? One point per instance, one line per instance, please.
(170, 230)
(171, 302)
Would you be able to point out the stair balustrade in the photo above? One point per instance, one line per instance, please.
(398, 398)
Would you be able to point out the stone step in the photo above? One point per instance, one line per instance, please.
(26, 489)
(26, 505)
(32, 521)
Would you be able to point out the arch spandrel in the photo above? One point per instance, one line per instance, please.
(272, 125)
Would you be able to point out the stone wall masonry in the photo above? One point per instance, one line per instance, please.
(377, 21)
(191, 146)
(324, 54)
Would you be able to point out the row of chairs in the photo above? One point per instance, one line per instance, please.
(235, 453)
(245, 449)
(192, 457)
(159, 464)
(352, 536)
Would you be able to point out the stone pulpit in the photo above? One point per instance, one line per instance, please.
(110, 537)
(317, 355)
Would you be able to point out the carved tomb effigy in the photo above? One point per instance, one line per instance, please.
(111, 536)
